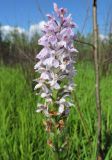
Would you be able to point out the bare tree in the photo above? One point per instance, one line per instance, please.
(98, 103)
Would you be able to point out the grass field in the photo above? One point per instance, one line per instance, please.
(22, 136)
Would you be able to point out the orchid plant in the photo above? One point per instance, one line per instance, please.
(55, 65)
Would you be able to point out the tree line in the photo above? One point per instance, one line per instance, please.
(18, 48)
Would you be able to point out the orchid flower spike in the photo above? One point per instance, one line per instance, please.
(55, 65)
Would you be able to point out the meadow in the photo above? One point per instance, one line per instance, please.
(22, 135)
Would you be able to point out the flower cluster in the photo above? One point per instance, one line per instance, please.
(55, 66)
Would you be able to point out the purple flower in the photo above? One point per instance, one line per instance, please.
(43, 41)
(45, 75)
(42, 108)
(60, 11)
(52, 40)
(43, 53)
(56, 62)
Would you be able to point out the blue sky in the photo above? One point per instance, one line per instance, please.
(24, 13)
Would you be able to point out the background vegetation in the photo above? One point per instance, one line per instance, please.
(22, 136)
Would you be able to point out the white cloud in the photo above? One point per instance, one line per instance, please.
(34, 28)
(8, 29)
(103, 37)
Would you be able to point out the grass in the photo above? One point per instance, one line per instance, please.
(22, 136)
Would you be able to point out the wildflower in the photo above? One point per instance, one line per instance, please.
(56, 68)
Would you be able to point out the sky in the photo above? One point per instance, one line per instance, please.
(27, 13)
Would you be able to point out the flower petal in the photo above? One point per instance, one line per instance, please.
(45, 76)
(39, 85)
(61, 108)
